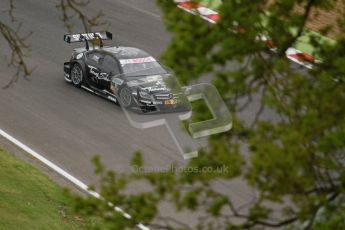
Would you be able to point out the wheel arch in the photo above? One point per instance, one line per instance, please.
(81, 63)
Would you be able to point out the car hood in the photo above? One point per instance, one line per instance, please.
(152, 83)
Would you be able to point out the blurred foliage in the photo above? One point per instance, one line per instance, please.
(294, 162)
(17, 41)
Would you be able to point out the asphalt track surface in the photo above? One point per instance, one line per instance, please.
(68, 125)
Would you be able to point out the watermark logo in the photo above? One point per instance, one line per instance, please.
(160, 100)
(180, 169)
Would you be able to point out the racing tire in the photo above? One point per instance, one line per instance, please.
(126, 99)
(77, 75)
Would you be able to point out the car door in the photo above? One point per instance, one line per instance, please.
(93, 62)
(109, 67)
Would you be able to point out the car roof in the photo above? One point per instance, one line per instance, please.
(120, 52)
(126, 52)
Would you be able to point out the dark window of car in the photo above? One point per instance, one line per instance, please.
(109, 65)
(95, 57)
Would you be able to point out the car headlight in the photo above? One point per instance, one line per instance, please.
(144, 94)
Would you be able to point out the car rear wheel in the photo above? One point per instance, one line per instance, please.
(126, 99)
(77, 75)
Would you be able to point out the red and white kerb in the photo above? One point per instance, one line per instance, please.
(206, 13)
(212, 16)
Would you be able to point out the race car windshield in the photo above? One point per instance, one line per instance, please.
(141, 67)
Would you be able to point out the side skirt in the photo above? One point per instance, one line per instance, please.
(105, 94)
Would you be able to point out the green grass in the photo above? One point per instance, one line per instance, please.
(304, 45)
(212, 4)
(30, 200)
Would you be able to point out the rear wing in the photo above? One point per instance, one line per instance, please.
(72, 38)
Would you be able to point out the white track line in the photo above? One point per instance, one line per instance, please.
(63, 173)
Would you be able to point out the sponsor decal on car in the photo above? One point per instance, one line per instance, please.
(88, 36)
(154, 89)
(99, 76)
(137, 60)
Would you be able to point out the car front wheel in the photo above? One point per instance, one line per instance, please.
(77, 75)
(126, 99)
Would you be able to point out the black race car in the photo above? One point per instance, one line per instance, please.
(125, 75)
